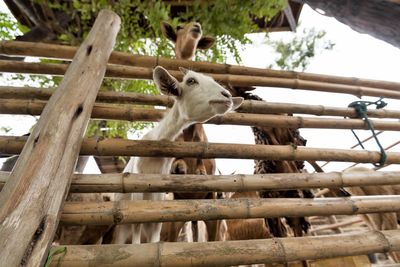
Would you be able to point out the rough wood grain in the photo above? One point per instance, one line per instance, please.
(30, 202)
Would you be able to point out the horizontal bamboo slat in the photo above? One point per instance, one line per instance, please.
(248, 106)
(10, 92)
(117, 112)
(130, 182)
(228, 253)
(128, 72)
(145, 148)
(144, 211)
(16, 48)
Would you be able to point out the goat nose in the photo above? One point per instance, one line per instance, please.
(227, 95)
(197, 25)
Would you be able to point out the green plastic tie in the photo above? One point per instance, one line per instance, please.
(361, 108)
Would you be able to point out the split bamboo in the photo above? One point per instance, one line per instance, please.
(128, 72)
(248, 106)
(130, 182)
(336, 225)
(229, 253)
(16, 48)
(31, 200)
(117, 112)
(145, 211)
(145, 148)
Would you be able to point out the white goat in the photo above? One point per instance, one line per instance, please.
(198, 99)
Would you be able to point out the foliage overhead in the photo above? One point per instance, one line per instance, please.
(227, 20)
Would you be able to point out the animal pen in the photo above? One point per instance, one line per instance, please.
(32, 199)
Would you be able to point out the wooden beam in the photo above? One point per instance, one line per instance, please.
(30, 201)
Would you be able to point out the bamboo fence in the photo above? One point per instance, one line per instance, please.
(145, 148)
(16, 48)
(131, 182)
(229, 253)
(146, 211)
(31, 201)
(128, 72)
(248, 106)
(116, 112)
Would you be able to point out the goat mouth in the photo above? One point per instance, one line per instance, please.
(196, 30)
(222, 102)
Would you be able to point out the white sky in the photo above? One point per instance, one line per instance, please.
(354, 55)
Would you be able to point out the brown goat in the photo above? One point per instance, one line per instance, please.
(187, 39)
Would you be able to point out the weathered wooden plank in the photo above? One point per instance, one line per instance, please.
(30, 201)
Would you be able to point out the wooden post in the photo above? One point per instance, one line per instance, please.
(30, 201)
(228, 253)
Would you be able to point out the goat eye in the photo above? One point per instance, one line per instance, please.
(179, 28)
(191, 81)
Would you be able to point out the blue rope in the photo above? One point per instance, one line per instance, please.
(361, 108)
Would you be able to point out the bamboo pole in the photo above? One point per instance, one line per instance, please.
(16, 48)
(11, 145)
(131, 183)
(145, 211)
(128, 72)
(31, 200)
(11, 92)
(117, 112)
(228, 253)
(248, 106)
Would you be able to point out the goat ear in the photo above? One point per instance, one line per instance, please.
(206, 42)
(183, 70)
(237, 101)
(166, 83)
(168, 31)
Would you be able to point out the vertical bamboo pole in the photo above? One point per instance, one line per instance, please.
(31, 200)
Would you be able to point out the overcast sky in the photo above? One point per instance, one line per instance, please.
(354, 55)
